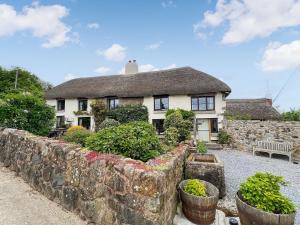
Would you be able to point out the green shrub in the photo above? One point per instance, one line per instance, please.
(129, 113)
(75, 128)
(108, 123)
(186, 114)
(171, 136)
(201, 147)
(263, 192)
(77, 136)
(136, 140)
(195, 187)
(224, 137)
(292, 115)
(26, 112)
(176, 120)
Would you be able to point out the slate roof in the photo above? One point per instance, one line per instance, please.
(256, 109)
(179, 81)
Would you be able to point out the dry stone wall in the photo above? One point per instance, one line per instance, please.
(102, 188)
(245, 133)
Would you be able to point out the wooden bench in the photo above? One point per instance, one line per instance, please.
(274, 148)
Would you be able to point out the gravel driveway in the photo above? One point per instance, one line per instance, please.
(240, 165)
(21, 205)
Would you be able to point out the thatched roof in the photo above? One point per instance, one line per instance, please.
(254, 109)
(179, 81)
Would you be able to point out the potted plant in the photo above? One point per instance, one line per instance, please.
(204, 166)
(199, 201)
(259, 201)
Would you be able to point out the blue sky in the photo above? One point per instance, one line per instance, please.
(252, 45)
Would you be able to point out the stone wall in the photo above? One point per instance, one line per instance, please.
(102, 188)
(246, 132)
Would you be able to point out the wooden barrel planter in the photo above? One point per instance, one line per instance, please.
(200, 210)
(250, 215)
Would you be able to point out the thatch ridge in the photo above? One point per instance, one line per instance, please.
(178, 81)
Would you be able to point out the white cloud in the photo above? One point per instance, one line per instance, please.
(171, 66)
(147, 68)
(114, 53)
(42, 21)
(93, 26)
(248, 19)
(168, 4)
(150, 67)
(102, 70)
(280, 57)
(70, 76)
(154, 46)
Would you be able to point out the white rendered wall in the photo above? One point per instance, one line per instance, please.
(184, 102)
(176, 101)
(71, 106)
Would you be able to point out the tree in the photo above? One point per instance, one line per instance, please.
(26, 112)
(26, 82)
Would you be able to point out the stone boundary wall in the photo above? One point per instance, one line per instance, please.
(245, 133)
(102, 188)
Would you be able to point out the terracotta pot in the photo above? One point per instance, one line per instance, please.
(200, 210)
(252, 216)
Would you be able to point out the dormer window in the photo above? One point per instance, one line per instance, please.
(203, 103)
(61, 105)
(113, 103)
(82, 104)
(161, 103)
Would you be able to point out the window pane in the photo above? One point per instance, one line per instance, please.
(210, 103)
(60, 121)
(60, 105)
(165, 103)
(202, 103)
(159, 125)
(214, 125)
(111, 103)
(82, 105)
(157, 103)
(194, 103)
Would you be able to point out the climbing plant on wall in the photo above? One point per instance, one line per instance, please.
(99, 112)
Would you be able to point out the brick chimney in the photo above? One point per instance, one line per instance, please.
(269, 101)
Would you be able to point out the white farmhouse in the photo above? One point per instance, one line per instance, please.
(184, 88)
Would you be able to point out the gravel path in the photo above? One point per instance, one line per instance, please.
(21, 205)
(240, 165)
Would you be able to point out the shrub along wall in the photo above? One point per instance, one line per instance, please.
(103, 188)
(245, 133)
